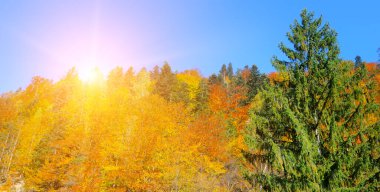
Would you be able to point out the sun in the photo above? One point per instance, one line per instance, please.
(89, 75)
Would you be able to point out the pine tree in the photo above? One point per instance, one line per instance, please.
(311, 133)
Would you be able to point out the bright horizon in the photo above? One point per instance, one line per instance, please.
(47, 38)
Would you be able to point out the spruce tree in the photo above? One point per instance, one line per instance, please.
(202, 96)
(213, 80)
(168, 86)
(358, 61)
(230, 71)
(155, 73)
(313, 132)
(165, 83)
(255, 82)
(223, 74)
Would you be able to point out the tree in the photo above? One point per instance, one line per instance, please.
(129, 78)
(223, 74)
(251, 81)
(165, 83)
(154, 75)
(358, 61)
(213, 79)
(230, 71)
(115, 79)
(168, 86)
(141, 87)
(201, 97)
(190, 82)
(255, 82)
(310, 133)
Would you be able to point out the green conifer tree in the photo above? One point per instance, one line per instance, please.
(166, 82)
(223, 74)
(255, 82)
(311, 133)
(230, 71)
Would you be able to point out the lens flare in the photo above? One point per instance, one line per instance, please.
(87, 75)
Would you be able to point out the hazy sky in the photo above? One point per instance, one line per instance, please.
(48, 37)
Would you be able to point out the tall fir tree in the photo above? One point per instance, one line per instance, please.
(165, 83)
(251, 80)
(230, 71)
(358, 61)
(115, 78)
(255, 82)
(223, 74)
(155, 73)
(312, 132)
(202, 96)
(213, 79)
(129, 78)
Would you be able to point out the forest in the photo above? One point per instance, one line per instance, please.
(312, 125)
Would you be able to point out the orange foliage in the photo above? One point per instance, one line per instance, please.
(277, 77)
(228, 103)
(208, 132)
(218, 98)
(110, 136)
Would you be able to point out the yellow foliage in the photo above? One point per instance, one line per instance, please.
(257, 102)
(74, 136)
(192, 79)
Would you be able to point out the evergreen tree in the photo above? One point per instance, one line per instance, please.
(251, 80)
(168, 86)
(223, 74)
(255, 82)
(129, 78)
(115, 78)
(165, 83)
(202, 96)
(155, 73)
(213, 79)
(358, 61)
(230, 71)
(180, 92)
(311, 133)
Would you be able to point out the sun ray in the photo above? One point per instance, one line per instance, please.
(87, 76)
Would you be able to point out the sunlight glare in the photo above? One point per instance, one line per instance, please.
(88, 75)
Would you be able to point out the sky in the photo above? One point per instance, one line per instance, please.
(49, 37)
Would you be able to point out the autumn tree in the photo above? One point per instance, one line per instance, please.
(164, 82)
(168, 86)
(201, 98)
(155, 73)
(251, 80)
(310, 133)
(191, 82)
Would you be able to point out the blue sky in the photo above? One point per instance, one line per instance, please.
(47, 38)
